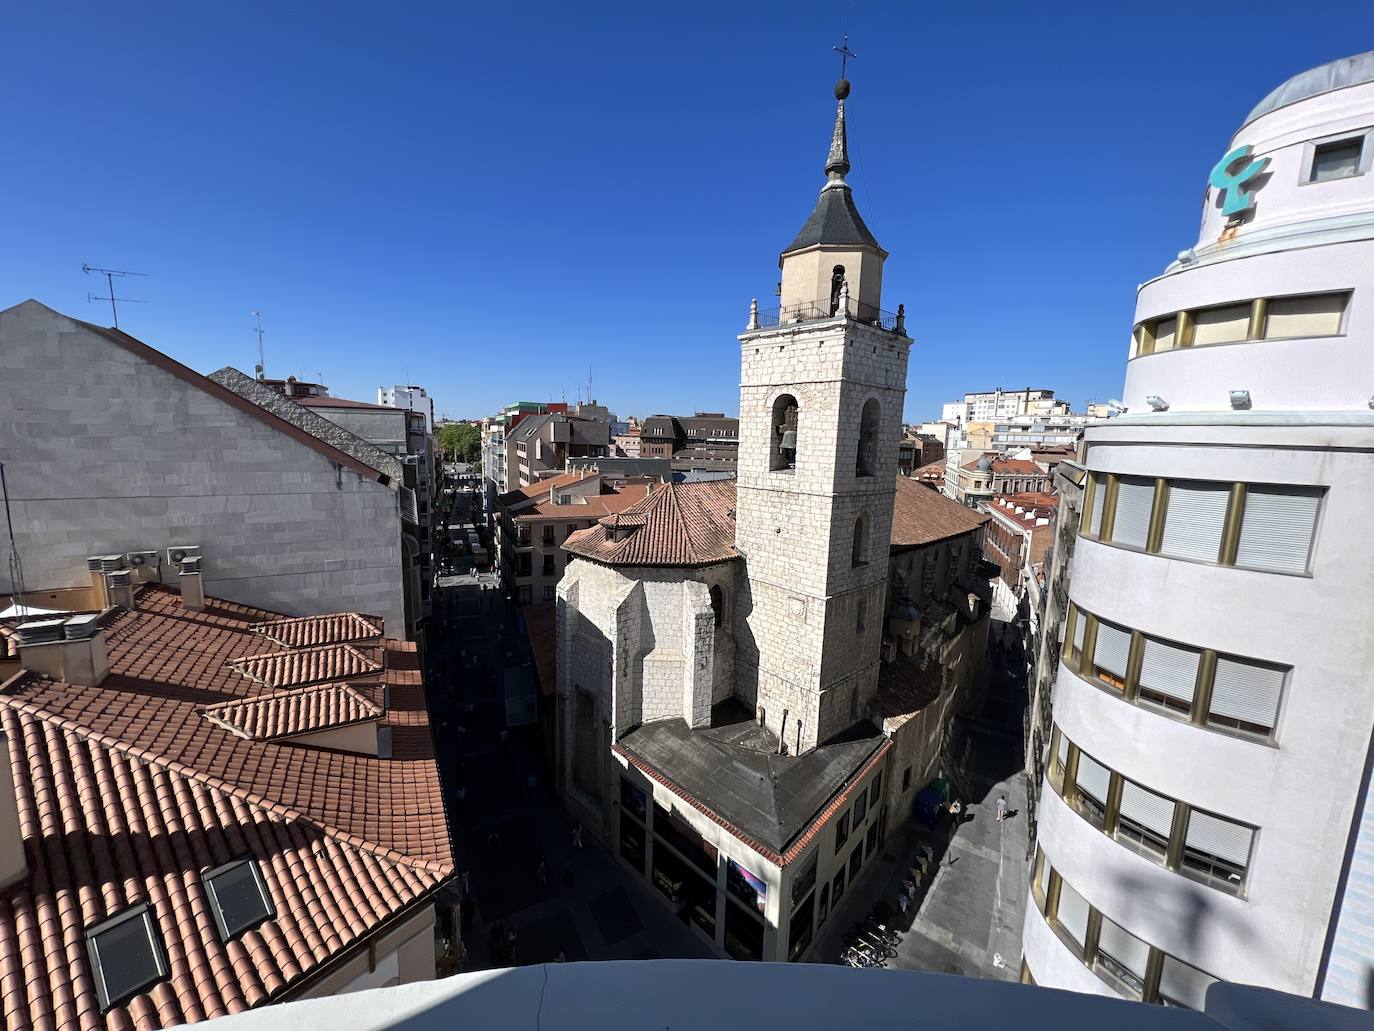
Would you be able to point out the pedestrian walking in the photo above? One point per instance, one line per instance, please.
(510, 945)
(903, 902)
(577, 835)
(1001, 808)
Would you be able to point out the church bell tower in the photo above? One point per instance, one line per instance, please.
(822, 383)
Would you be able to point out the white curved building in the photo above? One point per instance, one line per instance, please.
(1207, 809)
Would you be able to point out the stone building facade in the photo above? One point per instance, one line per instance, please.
(112, 447)
(729, 679)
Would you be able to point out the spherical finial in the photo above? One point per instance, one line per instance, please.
(841, 89)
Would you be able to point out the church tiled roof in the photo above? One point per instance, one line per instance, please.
(678, 524)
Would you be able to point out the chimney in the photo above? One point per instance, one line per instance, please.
(14, 866)
(99, 565)
(70, 649)
(192, 586)
(119, 588)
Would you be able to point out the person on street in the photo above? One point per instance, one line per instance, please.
(1001, 808)
(560, 956)
(577, 835)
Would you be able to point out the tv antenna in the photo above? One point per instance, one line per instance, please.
(261, 369)
(109, 274)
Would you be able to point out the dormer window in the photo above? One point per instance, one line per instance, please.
(126, 956)
(238, 896)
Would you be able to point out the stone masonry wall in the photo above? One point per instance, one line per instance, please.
(108, 453)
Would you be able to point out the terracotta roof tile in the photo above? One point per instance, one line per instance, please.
(297, 667)
(126, 793)
(305, 631)
(921, 516)
(299, 711)
(593, 507)
(678, 524)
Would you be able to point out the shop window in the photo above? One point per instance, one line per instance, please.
(1339, 159)
(743, 933)
(782, 451)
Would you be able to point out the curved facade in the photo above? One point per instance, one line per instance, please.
(1206, 812)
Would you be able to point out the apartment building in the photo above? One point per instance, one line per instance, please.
(207, 807)
(976, 481)
(411, 398)
(536, 519)
(992, 405)
(1207, 811)
(703, 442)
(496, 469)
(112, 447)
(1016, 541)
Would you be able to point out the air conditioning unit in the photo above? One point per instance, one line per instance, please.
(179, 553)
(144, 565)
(190, 564)
(105, 563)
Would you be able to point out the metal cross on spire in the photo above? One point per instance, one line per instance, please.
(845, 53)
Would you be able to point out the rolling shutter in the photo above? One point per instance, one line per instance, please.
(1221, 325)
(1224, 839)
(1135, 497)
(1072, 913)
(1144, 807)
(1124, 947)
(1316, 316)
(1276, 533)
(1093, 778)
(1169, 670)
(1194, 520)
(1044, 875)
(1113, 649)
(1063, 753)
(1183, 985)
(1099, 503)
(1164, 334)
(1247, 691)
(1080, 623)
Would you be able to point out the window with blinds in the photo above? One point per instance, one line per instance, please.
(1316, 315)
(1245, 695)
(1042, 880)
(1165, 331)
(1194, 520)
(1080, 623)
(1060, 760)
(1122, 958)
(1225, 325)
(1092, 509)
(1216, 851)
(1145, 820)
(1183, 985)
(1072, 914)
(1168, 676)
(1111, 654)
(1135, 497)
(1277, 529)
(1092, 783)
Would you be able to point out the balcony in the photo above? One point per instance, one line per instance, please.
(825, 308)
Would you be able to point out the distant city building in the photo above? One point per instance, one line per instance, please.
(994, 405)
(1208, 812)
(411, 398)
(977, 480)
(1016, 541)
(707, 441)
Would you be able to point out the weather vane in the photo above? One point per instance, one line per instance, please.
(845, 53)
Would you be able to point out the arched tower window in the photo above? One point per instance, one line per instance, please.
(836, 283)
(859, 556)
(866, 460)
(782, 450)
(717, 603)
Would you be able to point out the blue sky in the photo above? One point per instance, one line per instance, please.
(490, 201)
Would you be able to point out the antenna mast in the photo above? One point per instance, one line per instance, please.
(262, 361)
(109, 274)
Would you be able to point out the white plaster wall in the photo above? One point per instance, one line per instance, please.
(107, 453)
(1302, 791)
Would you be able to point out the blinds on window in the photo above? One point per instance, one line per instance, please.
(1168, 669)
(1194, 520)
(1134, 498)
(1099, 503)
(1080, 622)
(1276, 533)
(1221, 325)
(1164, 334)
(1063, 754)
(1318, 315)
(1113, 649)
(1073, 913)
(1147, 809)
(1093, 778)
(1124, 947)
(1044, 875)
(1214, 836)
(1247, 691)
(1182, 984)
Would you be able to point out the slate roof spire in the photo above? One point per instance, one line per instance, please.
(837, 164)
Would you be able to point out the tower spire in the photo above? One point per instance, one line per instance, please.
(837, 163)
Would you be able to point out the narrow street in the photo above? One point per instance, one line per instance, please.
(507, 822)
